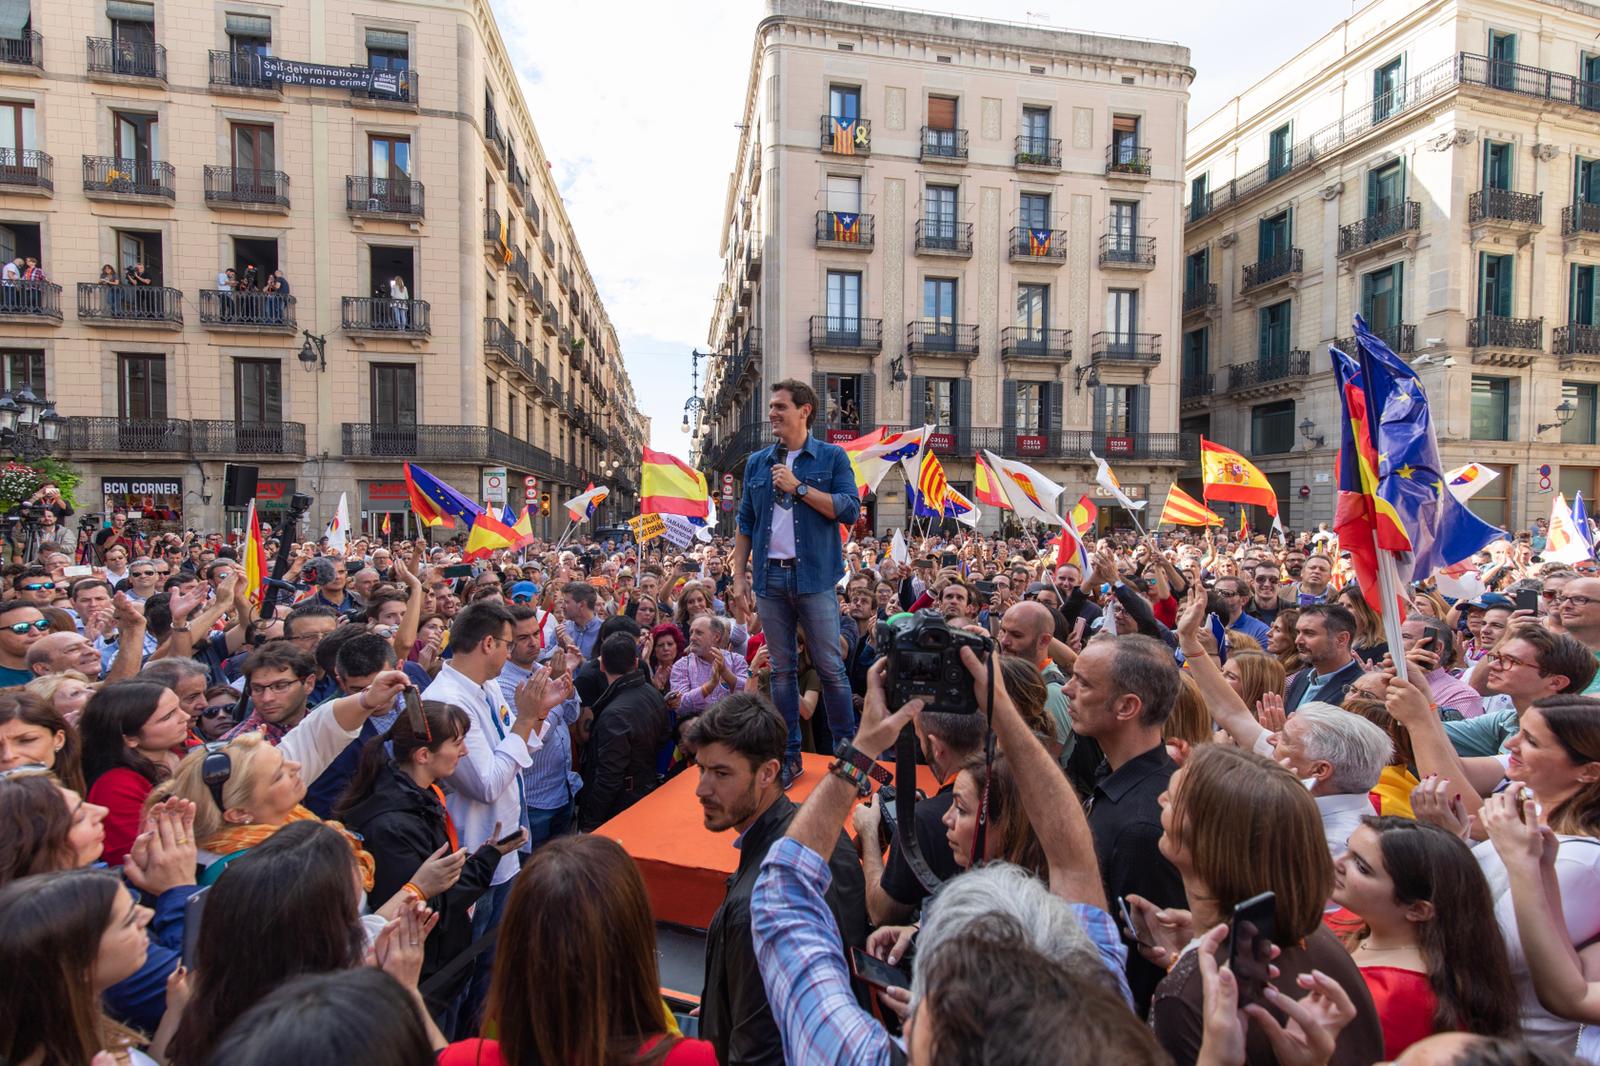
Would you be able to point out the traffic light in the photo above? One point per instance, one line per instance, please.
(544, 504)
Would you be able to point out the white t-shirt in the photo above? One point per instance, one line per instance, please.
(781, 546)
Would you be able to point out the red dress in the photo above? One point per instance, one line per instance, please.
(478, 1052)
(121, 792)
(1405, 1003)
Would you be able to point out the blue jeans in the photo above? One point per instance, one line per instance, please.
(546, 825)
(485, 916)
(781, 609)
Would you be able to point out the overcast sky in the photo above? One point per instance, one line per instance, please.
(636, 101)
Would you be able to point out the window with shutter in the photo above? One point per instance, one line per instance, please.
(819, 385)
(919, 402)
(1008, 412)
(963, 414)
(1057, 391)
(942, 112)
(868, 388)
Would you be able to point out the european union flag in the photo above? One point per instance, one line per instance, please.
(436, 502)
(1441, 529)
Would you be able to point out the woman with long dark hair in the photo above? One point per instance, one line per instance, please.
(132, 731)
(576, 980)
(329, 1019)
(1426, 938)
(1008, 836)
(397, 806)
(32, 732)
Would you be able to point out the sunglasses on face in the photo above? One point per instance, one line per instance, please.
(219, 711)
(21, 628)
(35, 586)
(141, 573)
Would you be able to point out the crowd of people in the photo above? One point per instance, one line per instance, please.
(1196, 810)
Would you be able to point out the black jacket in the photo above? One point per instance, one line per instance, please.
(619, 762)
(734, 1013)
(401, 825)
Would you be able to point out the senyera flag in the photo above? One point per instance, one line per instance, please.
(1228, 476)
(668, 485)
(1182, 509)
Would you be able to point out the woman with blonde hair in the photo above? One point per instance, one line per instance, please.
(68, 692)
(1280, 640)
(1189, 724)
(1254, 674)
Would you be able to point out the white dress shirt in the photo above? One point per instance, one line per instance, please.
(1341, 816)
(487, 784)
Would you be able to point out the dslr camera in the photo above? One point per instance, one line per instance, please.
(925, 663)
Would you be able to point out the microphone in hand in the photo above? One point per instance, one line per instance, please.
(780, 457)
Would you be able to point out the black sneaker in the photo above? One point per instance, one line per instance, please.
(791, 771)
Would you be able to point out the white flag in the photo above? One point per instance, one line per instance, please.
(1108, 481)
(1030, 493)
(1563, 543)
(898, 550)
(338, 531)
(1464, 482)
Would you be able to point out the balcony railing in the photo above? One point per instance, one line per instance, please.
(536, 293)
(129, 303)
(30, 299)
(1032, 244)
(1125, 249)
(846, 136)
(26, 50)
(362, 440)
(1401, 339)
(847, 333)
(491, 227)
(1197, 386)
(126, 59)
(1493, 331)
(518, 268)
(516, 183)
(1125, 347)
(128, 435)
(1269, 368)
(383, 196)
(1199, 297)
(1576, 338)
(240, 70)
(498, 338)
(1128, 159)
(1273, 268)
(1397, 220)
(547, 247)
(128, 177)
(751, 344)
(219, 437)
(246, 310)
(1033, 342)
(232, 185)
(373, 314)
(494, 135)
(938, 337)
(1503, 205)
(943, 237)
(1051, 444)
(27, 169)
(407, 89)
(1031, 151)
(948, 146)
(844, 229)
(1579, 218)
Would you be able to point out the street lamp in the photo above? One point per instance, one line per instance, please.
(1564, 412)
(1308, 430)
(29, 426)
(314, 352)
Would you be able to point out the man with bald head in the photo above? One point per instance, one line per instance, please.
(1578, 603)
(55, 652)
(1026, 630)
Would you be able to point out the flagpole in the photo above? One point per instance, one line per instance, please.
(1389, 588)
(571, 525)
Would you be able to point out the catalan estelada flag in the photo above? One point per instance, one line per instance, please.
(255, 556)
(436, 503)
(1182, 509)
(1230, 477)
(1038, 241)
(1083, 515)
(986, 486)
(847, 227)
(668, 485)
(844, 135)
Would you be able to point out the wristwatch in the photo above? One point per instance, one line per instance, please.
(802, 489)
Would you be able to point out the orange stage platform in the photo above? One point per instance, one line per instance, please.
(685, 865)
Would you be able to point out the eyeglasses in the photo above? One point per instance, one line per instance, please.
(21, 628)
(277, 688)
(1576, 601)
(1502, 661)
(35, 586)
(141, 573)
(1549, 594)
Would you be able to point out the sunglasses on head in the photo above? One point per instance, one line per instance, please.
(21, 628)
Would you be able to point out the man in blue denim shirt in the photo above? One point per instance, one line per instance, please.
(796, 493)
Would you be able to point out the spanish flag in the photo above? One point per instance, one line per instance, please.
(668, 485)
(986, 486)
(1230, 477)
(386, 528)
(488, 534)
(255, 556)
(1182, 509)
(524, 526)
(1083, 515)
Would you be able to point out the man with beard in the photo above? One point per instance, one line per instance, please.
(739, 745)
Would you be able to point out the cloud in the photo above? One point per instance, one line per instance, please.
(636, 103)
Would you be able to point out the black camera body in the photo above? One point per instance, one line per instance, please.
(924, 656)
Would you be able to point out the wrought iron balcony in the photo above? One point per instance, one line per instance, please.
(127, 436)
(126, 59)
(235, 187)
(129, 304)
(1579, 218)
(380, 315)
(847, 333)
(750, 346)
(1378, 228)
(1044, 246)
(1280, 267)
(246, 310)
(494, 136)
(943, 146)
(1114, 347)
(516, 182)
(1030, 342)
(1131, 159)
(1197, 386)
(1199, 297)
(216, 437)
(498, 338)
(364, 440)
(491, 231)
(536, 293)
(1503, 205)
(1575, 338)
(26, 50)
(381, 197)
(1401, 339)
(240, 70)
(405, 93)
(1125, 249)
(1493, 331)
(531, 207)
(564, 278)
(108, 177)
(940, 337)
(27, 301)
(848, 230)
(935, 236)
(26, 171)
(1283, 366)
(517, 269)
(1041, 152)
(846, 136)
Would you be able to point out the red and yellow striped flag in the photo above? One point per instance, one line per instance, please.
(255, 556)
(668, 485)
(1182, 509)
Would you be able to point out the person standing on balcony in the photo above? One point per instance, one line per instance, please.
(134, 303)
(402, 301)
(227, 282)
(10, 283)
(33, 280)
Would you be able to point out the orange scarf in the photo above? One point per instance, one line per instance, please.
(234, 838)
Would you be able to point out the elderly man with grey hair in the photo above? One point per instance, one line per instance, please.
(1339, 755)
